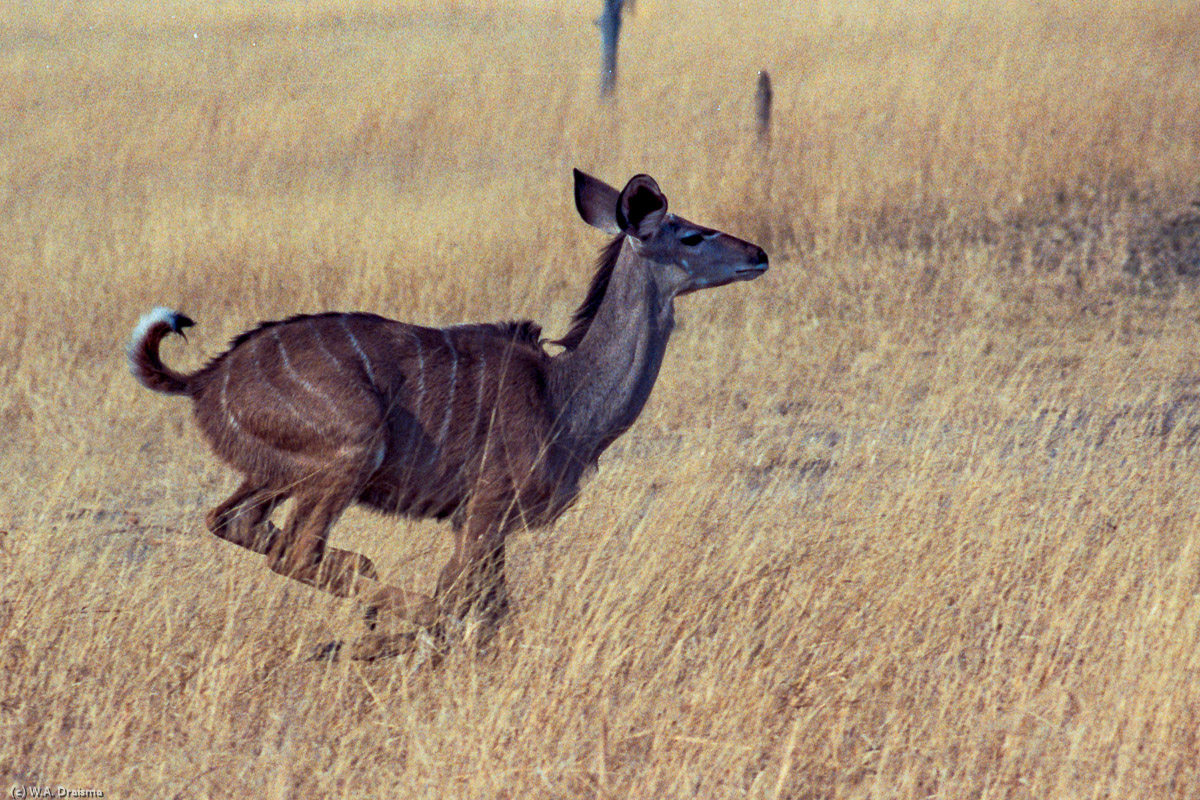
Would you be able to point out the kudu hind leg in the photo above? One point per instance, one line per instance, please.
(467, 582)
(243, 518)
(300, 552)
(392, 601)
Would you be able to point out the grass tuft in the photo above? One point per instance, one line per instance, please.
(911, 516)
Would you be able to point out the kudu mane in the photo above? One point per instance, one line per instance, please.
(582, 320)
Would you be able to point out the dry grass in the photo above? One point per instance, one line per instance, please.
(912, 516)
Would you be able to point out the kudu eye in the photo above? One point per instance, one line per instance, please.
(692, 239)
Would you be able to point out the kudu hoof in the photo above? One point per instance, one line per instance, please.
(325, 652)
(474, 631)
(372, 647)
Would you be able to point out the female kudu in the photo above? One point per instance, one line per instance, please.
(478, 423)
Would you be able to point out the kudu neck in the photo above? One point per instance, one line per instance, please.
(601, 386)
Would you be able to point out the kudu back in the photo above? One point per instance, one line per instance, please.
(476, 423)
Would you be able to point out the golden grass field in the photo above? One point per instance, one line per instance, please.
(915, 515)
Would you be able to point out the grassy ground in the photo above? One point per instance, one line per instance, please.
(913, 515)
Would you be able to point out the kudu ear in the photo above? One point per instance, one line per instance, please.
(641, 207)
(597, 202)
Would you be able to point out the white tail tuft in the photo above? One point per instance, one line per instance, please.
(142, 350)
(149, 320)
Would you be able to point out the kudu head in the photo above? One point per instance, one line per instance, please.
(684, 256)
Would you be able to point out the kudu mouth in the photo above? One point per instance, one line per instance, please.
(744, 272)
(752, 271)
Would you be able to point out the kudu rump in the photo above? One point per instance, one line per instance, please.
(478, 423)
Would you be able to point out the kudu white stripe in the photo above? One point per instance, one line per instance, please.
(480, 387)
(327, 401)
(366, 362)
(445, 429)
(281, 397)
(233, 423)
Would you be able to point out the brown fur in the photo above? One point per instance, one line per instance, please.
(336, 409)
(477, 423)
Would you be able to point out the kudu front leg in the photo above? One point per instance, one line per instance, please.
(473, 582)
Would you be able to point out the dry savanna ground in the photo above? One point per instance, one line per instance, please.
(912, 516)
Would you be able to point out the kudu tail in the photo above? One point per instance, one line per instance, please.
(144, 361)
